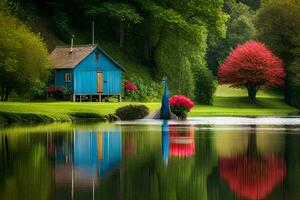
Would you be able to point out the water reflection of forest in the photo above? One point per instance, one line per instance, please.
(150, 162)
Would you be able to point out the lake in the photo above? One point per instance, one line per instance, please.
(201, 158)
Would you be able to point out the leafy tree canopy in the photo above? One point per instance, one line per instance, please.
(252, 66)
(120, 11)
(240, 28)
(254, 4)
(277, 24)
(23, 57)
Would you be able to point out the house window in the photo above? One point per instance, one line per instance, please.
(96, 56)
(67, 77)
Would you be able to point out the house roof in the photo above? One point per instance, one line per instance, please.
(62, 58)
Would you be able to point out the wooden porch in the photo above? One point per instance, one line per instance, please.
(95, 97)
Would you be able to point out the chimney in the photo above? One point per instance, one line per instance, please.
(71, 50)
(93, 33)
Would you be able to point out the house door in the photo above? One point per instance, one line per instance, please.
(99, 82)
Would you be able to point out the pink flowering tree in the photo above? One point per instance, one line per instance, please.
(181, 105)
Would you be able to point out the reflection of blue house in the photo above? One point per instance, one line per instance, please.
(111, 152)
(97, 152)
(85, 152)
(64, 152)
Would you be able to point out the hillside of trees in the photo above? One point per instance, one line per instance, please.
(184, 40)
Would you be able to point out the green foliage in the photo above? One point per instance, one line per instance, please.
(240, 28)
(254, 4)
(66, 92)
(132, 112)
(60, 24)
(23, 57)
(293, 82)
(172, 61)
(167, 15)
(277, 25)
(146, 92)
(38, 90)
(120, 11)
(180, 111)
(205, 86)
(124, 13)
(8, 7)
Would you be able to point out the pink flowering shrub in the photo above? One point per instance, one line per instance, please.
(53, 88)
(181, 105)
(129, 86)
(54, 91)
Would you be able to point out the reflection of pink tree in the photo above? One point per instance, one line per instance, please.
(251, 175)
(182, 143)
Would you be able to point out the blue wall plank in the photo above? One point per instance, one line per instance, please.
(60, 78)
(112, 82)
(86, 82)
(85, 74)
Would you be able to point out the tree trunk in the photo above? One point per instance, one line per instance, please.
(252, 91)
(121, 34)
(6, 93)
(6, 144)
(146, 51)
(252, 151)
(2, 93)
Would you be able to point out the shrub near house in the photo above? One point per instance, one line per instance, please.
(132, 112)
(141, 91)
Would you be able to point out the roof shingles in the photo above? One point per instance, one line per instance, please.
(62, 58)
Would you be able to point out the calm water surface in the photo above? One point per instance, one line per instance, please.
(204, 158)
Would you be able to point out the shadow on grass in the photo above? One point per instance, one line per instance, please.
(87, 117)
(244, 102)
(8, 118)
(24, 118)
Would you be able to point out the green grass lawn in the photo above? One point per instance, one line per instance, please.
(234, 102)
(240, 106)
(62, 110)
(227, 102)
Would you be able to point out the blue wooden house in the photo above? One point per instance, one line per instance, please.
(87, 71)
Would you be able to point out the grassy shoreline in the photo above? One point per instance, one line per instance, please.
(48, 112)
(45, 112)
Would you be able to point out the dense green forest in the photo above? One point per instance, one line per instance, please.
(185, 40)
